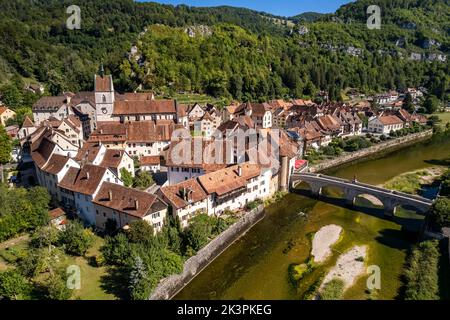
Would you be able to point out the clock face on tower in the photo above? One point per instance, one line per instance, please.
(104, 110)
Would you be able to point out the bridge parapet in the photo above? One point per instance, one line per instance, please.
(390, 199)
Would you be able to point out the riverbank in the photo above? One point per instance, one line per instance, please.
(413, 182)
(256, 266)
(390, 145)
(323, 240)
(170, 286)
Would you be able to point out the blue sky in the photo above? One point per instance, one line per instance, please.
(277, 7)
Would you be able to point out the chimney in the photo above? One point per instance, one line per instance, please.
(239, 171)
(136, 204)
(110, 195)
(87, 175)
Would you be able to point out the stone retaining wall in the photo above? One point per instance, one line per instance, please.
(170, 286)
(391, 144)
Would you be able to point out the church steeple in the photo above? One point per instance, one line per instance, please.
(101, 71)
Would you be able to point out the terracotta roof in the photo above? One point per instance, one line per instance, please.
(175, 193)
(144, 107)
(259, 109)
(27, 123)
(83, 97)
(127, 200)
(135, 96)
(236, 108)
(112, 158)
(226, 180)
(103, 84)
(388, 120)
(329, 123)
(4, 109)
(55, 164)
(88, 152)
(42, 150)
(150, 160)
(56, 213)
(203, 158)
(49, 103)
(84, 180)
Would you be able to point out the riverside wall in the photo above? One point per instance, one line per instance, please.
(360, 154)
(170, 286)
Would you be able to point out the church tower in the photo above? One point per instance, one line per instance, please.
(104, 96)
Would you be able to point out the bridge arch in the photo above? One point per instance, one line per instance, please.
(367, 198)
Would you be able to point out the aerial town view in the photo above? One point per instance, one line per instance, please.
(224, 151)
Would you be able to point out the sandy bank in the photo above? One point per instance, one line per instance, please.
(323, 240)
(348, 267)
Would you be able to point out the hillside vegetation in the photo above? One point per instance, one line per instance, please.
(242, 56)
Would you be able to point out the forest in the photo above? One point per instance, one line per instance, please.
(245, 56)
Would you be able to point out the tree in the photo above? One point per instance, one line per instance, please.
(143, 180)
(11, 96)
(199, 230)
(126, 177)
(13, 285)
(431, 104)
(56, 287)
(44, 237)
(116, 250)
(408, 103)
(139, 286)
(5, 146)
(140, 231)
(76, 239)
(440, 212)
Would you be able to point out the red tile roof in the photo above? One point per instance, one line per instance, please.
(103, 84)
(143, 107)
(228, 179)
(84, 180)
(127, 200)
(55, 164)
(56, 213)
(174, 193)
(150, 160)
(389, 120)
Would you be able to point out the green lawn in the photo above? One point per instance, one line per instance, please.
(444, 116)
(93, 278)
(91, 275)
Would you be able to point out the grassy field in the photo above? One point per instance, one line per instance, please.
(92, 276)
(444, 116)
(94, 279)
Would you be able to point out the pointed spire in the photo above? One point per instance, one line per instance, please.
(101, 71)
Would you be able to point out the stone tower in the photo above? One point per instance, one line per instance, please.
(104, 96)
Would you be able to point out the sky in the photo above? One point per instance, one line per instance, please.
(277, 7)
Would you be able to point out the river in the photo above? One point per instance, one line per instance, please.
(256, 266)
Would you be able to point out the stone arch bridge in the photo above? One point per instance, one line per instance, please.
(351, 189)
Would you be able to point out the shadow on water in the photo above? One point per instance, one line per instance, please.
(438, 162)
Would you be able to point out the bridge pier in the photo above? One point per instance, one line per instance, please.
(316, 190)
(390, 207)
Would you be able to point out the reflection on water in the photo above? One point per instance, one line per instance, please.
(255, 267)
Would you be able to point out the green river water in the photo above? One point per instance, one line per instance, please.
(256, 266)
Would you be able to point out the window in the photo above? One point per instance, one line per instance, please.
(104, 99)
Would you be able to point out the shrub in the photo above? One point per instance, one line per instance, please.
(421, 273)
(76, 239)
(332, 290)
(440, 212)
(56, 287)
(13, 285)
